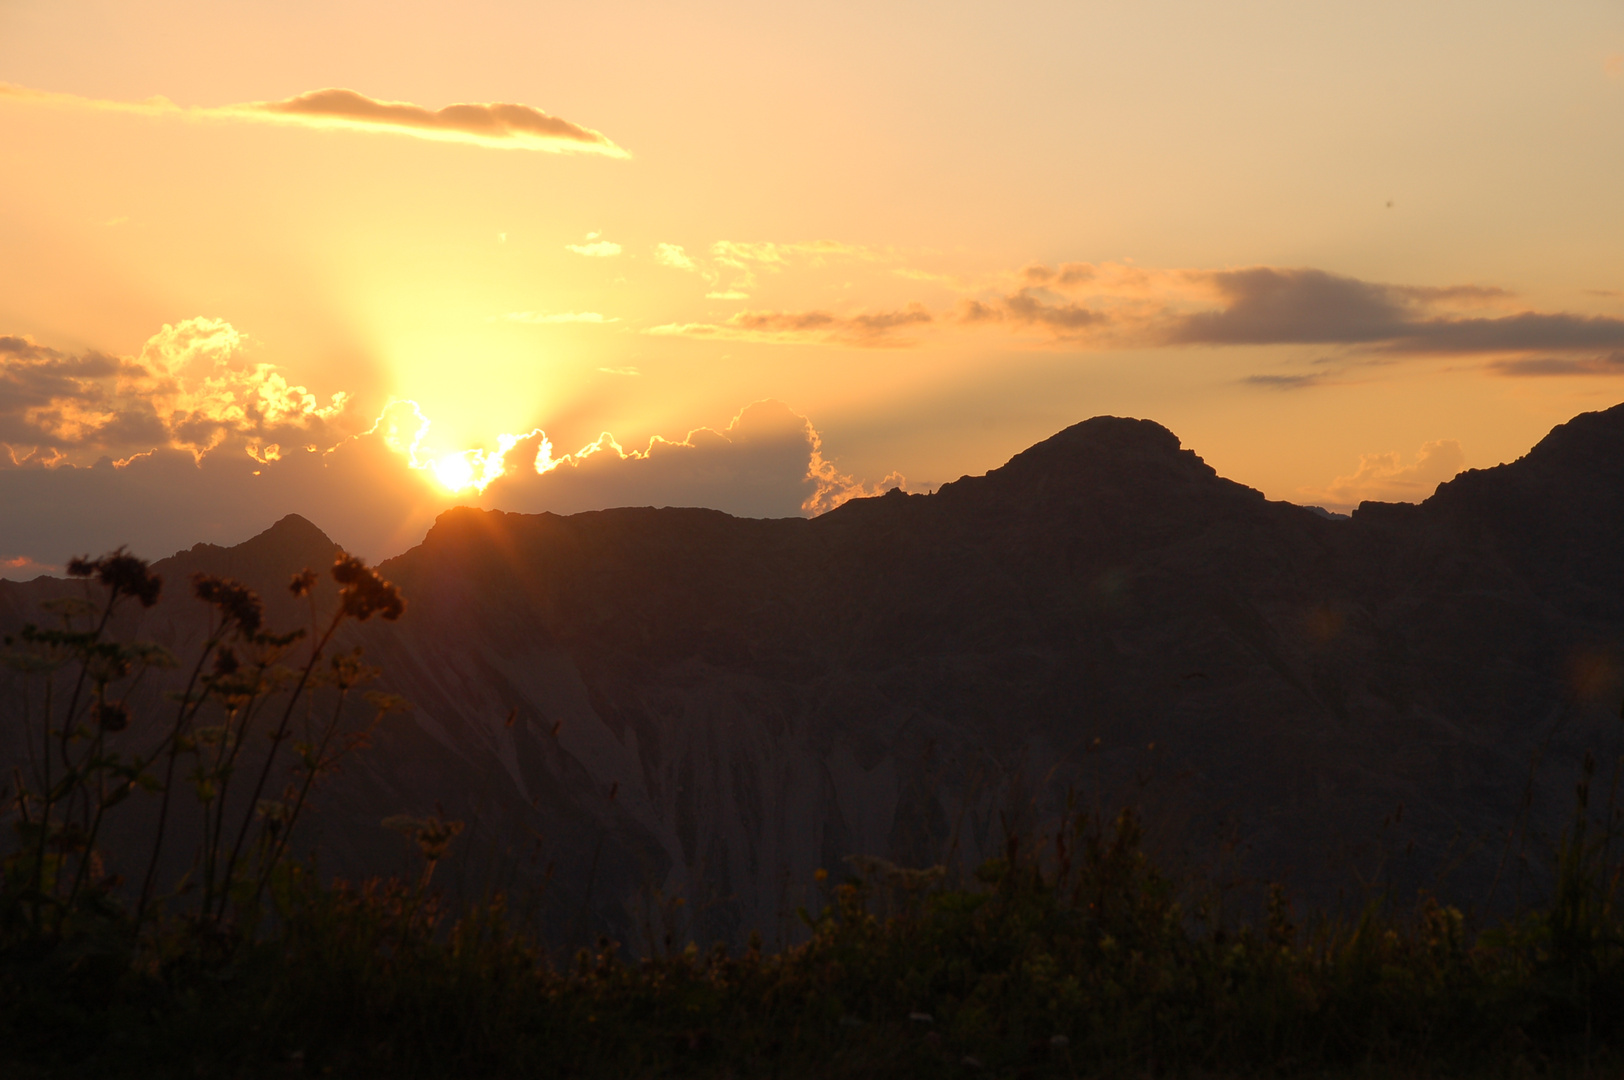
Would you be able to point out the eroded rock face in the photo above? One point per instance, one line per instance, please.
(711, 708)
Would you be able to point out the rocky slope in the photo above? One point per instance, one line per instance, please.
(639, 705)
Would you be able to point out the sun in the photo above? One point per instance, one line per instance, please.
(454, 471)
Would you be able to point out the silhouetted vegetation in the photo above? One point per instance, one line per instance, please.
(1071, 955)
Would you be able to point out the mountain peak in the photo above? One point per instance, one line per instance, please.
(1109, 449)
(288, 546)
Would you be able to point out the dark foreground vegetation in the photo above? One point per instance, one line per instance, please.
(1069, 956)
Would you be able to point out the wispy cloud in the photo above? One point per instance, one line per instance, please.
(739, 261)
(865, 329)
(1288, 382)
(538, 318)
(1610, 364)
(499, 125)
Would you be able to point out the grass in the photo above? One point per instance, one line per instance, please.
(1071, 955)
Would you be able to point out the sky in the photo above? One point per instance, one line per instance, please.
(366, 262)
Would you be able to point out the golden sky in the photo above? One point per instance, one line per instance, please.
(765, 257)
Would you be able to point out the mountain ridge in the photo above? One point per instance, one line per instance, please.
(713, 707)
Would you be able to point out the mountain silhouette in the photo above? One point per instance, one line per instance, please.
(640, 704)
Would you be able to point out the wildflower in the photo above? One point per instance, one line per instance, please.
(112, 717)
(363, 592)
(225, 661)
(431, 834)
(302, 582)
(236, 601)
(121, 572)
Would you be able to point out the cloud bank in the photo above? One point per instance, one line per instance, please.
(187, 442)
(1115, 306)
(190, 388)
(498, 125)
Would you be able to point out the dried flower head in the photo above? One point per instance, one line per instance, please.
(302, 582)
(431, 834)
(236, 601)
(363, 592)
(121, 572)
(112, 717)
(225, 661)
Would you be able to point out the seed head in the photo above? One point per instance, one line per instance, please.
(302, 582)
(112, 717)
(236, 601)
(121, 572)
(363, 592)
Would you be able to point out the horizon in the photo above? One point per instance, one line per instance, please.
(366, 264)
(258, 532)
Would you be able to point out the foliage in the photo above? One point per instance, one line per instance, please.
(79, 685)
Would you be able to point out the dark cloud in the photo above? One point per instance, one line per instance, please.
(1287, 382)
(1271, 306)
(496, 124)
(1526, 331)
(1266, 306)
(763, 464)
(166, 500)
(1610, 364)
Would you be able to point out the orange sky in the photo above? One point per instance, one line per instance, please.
(1342, 250)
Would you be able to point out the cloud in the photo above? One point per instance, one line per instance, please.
(23, 568)
(537, 318)
(1124, 306)
(190, 388)
(1288, 382)
(500, 125)
(865, 329)
(1273, 306)
(1267, 306)
(1386, 477)
(673, 256)
(376, 491)
(1525, 331)
(1034, 306)
(1611, 364)
(739, 261)
(1068, 273)
(766, 463)
(595, 248)
(361, 492)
